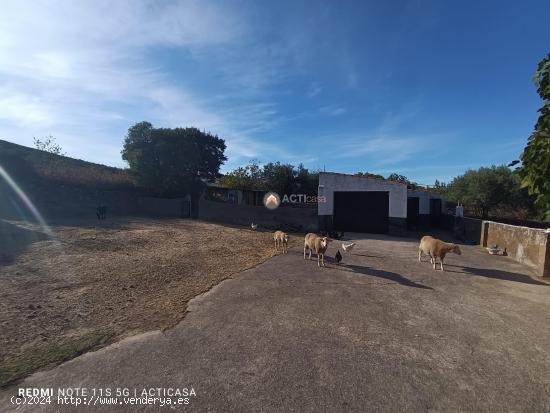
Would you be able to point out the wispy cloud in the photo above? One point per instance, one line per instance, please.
(333, 110)
(83, 72)
(314, 89)
(382, 150)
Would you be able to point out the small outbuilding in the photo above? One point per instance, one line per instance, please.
(360, 204)
(424, 208)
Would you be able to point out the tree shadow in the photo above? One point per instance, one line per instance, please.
(503, 275)
(386, 275)
(15, 240)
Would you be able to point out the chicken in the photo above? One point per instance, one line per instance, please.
(338, 257)
(348, 247)
(254, 226)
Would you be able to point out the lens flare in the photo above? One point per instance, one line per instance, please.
(26, 201)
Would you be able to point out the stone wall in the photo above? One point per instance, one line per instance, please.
(65, 201)
(285, 217)
(466, 229)
(163, 207)
(529, 246)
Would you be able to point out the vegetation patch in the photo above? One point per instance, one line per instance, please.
(43, 355)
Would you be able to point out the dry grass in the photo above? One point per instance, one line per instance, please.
(110, 281)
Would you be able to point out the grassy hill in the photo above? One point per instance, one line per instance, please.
(59, 186)
(28, 164)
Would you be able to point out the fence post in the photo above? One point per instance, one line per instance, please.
(484, 233)
(546, 264)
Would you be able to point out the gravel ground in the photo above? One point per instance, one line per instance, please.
(94, 283)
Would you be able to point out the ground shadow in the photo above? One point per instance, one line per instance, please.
(386, 275)
(14, 240)
(366, 255)
(503, 275)
(406, 236)
(354, 236)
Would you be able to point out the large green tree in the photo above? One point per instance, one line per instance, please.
(487, 189)
(244, 177)
(279, 177)
(173, 162)
(535, 169)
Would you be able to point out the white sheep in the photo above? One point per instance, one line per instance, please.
(313, 242)
(436, 249)
(281, 239)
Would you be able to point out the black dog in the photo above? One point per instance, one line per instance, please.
(101, 212)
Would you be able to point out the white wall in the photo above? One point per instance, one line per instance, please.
(331, 182)
(423, 201)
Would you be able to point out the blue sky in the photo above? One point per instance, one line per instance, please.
(424, 88)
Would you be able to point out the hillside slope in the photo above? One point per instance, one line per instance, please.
(24, 162)
(60, 186)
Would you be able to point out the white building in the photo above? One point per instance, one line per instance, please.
(363, 204)
(360, 204)
(424, 208)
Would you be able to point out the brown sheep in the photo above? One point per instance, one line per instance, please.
(281, 239)
(313, 242)
(436, 249)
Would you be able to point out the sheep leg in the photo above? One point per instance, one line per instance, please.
(434, 263)
(419, 255)
(441, 259)
(310, 253)
(304, 252)
(323, 259)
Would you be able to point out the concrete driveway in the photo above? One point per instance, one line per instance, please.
(382, 332)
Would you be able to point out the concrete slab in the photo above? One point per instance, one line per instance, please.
(382, 332)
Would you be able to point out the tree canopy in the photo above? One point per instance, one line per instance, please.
(535, 169)
(173, 162)
(369, 175)
(487, 190)
(273, 176)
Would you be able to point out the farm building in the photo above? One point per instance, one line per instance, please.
(360, 204)
(424, 208)
(364, 204)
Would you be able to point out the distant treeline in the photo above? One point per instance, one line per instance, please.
(494, 191)
(273, 176)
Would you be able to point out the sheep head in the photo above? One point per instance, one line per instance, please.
(456, 249)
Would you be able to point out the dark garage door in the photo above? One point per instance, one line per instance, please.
(413, 210)
(361, 211)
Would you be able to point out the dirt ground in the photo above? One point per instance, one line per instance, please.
(381, 332)
(94, 283)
